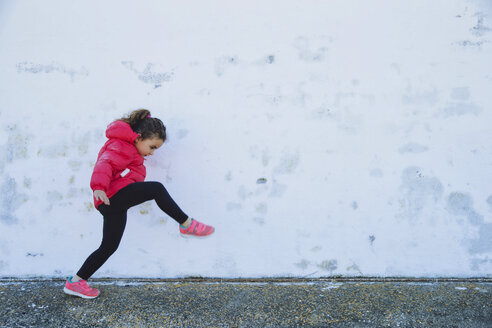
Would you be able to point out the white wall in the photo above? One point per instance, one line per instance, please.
(369, 120)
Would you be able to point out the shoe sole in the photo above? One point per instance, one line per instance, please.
(195, 236)
(71, 292)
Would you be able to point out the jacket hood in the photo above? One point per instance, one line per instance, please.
(121, 130)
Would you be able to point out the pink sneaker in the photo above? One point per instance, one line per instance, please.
(196, 229)
(80, 288)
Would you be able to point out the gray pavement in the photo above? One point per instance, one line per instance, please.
(258, 303)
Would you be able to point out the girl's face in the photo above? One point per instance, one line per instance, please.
(146, 147)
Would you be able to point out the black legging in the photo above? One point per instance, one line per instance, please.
(115, 219)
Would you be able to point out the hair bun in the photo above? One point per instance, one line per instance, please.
(146, 128)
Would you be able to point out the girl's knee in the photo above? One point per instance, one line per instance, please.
(157, 186)
(109, 250)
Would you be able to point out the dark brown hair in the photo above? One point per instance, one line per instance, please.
(142, 123)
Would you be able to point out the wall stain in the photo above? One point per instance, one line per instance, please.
(222, 63)
(265, 60)
(324, 111)
(288, 163)
(55, 151)
(74, 192)
(329, 265)
(478, 32)
(460, 93)
(145, 208)
(34, 254)
(489, 201)
(262, 208)
(420, 98)
(480, 29)
(261, 181)
(27, 182)
(346, 99)
(477, 262)
(459, 109)
(461, 204)
(81, 141)
(53, 196)
(17, 143)
(468, 43)
(418, 190)
(413, 148)
(483, 243)
(259, 220)
(309, 53)
(460, 103)
(354, 267)
(264, 155)
(278, 189)
(377, 173)
(29, 67)
(303, 264)
(243, 193)
(89, 206)
(11, 200)
(148, 75)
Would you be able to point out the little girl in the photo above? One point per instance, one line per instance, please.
(117, 182)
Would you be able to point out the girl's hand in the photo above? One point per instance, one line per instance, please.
(101, 195)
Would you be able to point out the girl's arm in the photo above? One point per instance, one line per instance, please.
(102, 175)
(113, 159)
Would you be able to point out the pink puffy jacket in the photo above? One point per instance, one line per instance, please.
(116, 157)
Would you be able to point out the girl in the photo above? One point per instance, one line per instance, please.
(117, 182)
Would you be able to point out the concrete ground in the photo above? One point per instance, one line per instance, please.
(258, 303)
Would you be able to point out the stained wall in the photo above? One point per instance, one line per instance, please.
(320, 138)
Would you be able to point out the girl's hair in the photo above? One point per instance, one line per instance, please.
(148, 127)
